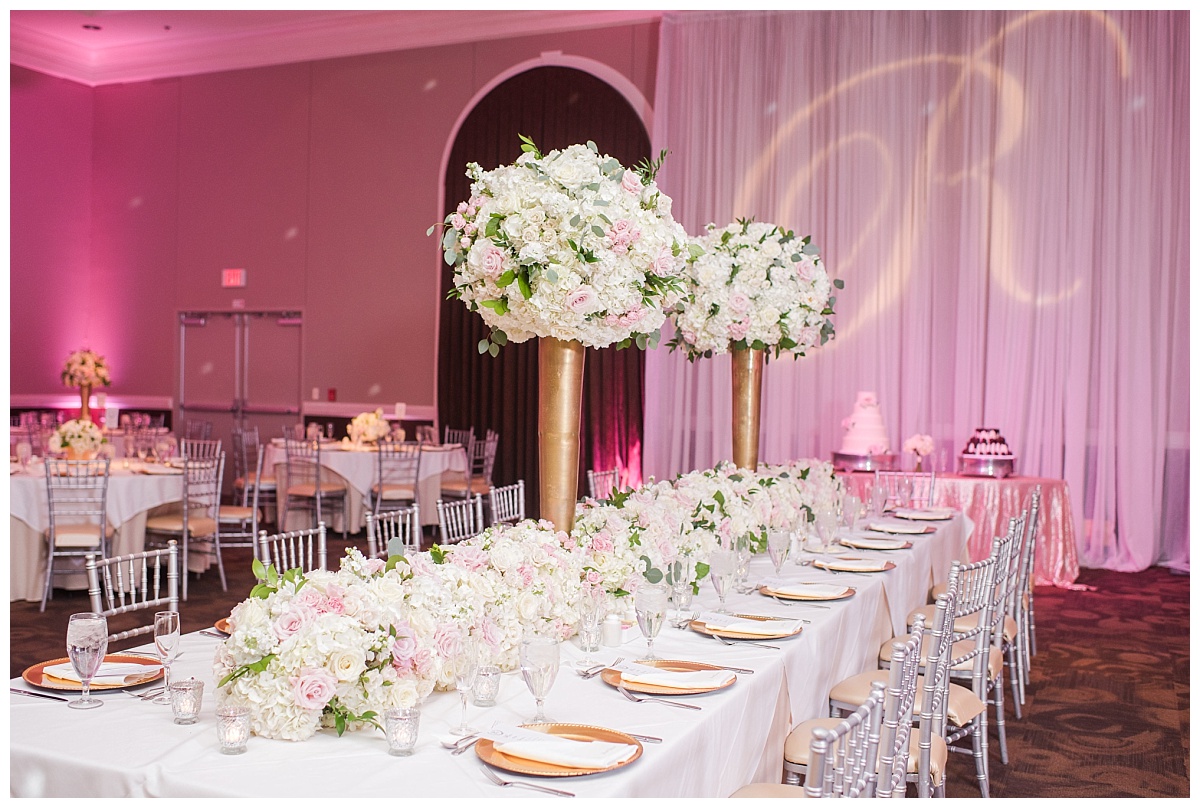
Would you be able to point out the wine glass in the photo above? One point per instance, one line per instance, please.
(143, 448)
(650, 604)
(721, 566)
(592, 607)
(166, 642)
(539, 666)
(827, 524)
(779, 544)
(851, 511)
(742, 572)
(87, 641)
(24, 454)
(681, 573)
(904, 492)
(878, 500)
(464, 679)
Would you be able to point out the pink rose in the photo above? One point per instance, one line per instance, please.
(581, 299)
(331, 606)
(490, 634)
(290, 622)
(469, 557)
(493, 263)
(593, 577)
(462, 207)
(423, 662)
(631, 182)
(308, 596)
(447, 641)
(420, 564)
(739, 302)
(374, 566)
(313, 688)
(738, 329)
(458, 222)
(665, 263)
(804, 269)
(525, 574)
(404, 647)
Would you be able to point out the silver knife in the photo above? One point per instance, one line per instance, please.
(35, 695)
(646, 738)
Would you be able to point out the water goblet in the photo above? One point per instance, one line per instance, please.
(650, 604)
(143, 449)
(24, 454)
(87, 641)
(681, 573)
(779, 544)
(166, 642)
(878, 500)
(539, 666)
(744, 552)
(851, 510)
(721, 566)
(904, 493)
(464, 679)
(592, 608)
(827, 524)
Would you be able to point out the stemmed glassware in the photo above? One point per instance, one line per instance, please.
(851, 511)
(539, 666)
(87, 642)
(680, 575)
(166, 642)
(24, 454)
(592, 607)
(827, 524)
(650, 604)
(904, 492)
(464, 679)
(779, 544)
(742, 572)
(721, 565)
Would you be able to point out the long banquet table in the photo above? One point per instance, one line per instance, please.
(737, 737)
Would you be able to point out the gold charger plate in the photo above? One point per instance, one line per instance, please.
(223, 626)
(700, 627)
(486, 750)
(34, 676)
(857, 545)
(832, 564)
(771, 593)
(928, 516)
(613, 677)
(880, 527)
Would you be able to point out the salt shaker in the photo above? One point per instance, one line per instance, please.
(610, 631)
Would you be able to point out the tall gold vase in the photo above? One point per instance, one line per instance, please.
(560, 393)
(747, 400)
(85, 393)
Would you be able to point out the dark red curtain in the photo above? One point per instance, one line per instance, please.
(556, 107)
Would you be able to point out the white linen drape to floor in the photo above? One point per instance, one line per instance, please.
(1005, 195)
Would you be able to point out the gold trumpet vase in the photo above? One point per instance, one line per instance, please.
(747, 398)
(85, 394)
(560, 393)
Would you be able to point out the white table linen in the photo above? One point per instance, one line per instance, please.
(737, 738)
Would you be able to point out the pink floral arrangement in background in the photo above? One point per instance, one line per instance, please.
(85, 367)
(920, 445)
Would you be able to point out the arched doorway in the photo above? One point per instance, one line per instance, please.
(556, 107)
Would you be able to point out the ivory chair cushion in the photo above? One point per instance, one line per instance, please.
(797, 745)
(937, 755)
(961, 648)
(395, 491)
(963, 624)
(310, 490)
(458, 485)
(265, 483)
(768, 790)
(963, 705)
(173, 523)
(78, 535)
(235, 514)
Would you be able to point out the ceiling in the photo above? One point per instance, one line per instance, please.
(112, 47)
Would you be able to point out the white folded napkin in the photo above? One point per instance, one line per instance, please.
(855, 564)
(684, 680)
(566, 752)
(871, 543)
(155, 468)
(110, 673)
(809, 590)
(765, 628)
(895, 527)
(924, 513)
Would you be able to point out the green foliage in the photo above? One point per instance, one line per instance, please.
(651, 573)
(252, 667)
(527, 145)
(342, 717)
(438, 554)
(648, 169)
(392, 563)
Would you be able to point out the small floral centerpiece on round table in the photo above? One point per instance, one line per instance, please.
(368, 427)
(575, 249)
(753, 287)
(85, 369)
(921, 446)
(78, 439)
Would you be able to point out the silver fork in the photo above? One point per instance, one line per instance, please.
(500, 781)
(724, 641)
(153, 693)
(593, 673)
(637, 698)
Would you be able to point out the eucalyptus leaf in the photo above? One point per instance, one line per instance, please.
(482, 346)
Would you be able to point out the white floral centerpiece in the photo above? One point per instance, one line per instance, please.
(754, 285)
(78, 438)
(569, 245)
(921, 446)
(330, 648)
(87, 368)
(368, 426)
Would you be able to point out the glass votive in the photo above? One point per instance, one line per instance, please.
(186, 696)
(233, 729)
(400, 726)
(487, 686)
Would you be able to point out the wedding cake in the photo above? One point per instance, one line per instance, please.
(987, 455)
(987, 443)
(865, 445)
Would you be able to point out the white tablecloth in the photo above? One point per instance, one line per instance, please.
(737, 738)
(358, 468)
(130, 497)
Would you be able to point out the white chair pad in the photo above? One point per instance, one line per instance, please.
(310, 490)
(769, 791)
(78, 535)
(173, 523)
(234, 514)
(961, 648)
(963, 705)
(798, 744)
(265, 483)
(395, 491)
(459, 487)
(796, 747)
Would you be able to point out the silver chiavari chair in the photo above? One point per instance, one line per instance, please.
(296, 549)
(146, 581)
(506, 504)
(394, 532)
(460, 519)
(601, 484)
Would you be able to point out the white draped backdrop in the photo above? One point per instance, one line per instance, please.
(1005, 195)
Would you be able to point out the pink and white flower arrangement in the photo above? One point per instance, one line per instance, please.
(570, 245)
(368, 426)
(85, 367)
(754, 285)
(79, 436)
(920, 445)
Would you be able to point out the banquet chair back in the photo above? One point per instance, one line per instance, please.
(393, 533)
(1024, 606)
(199, 448)
(935, 684)
(460, 519)
(898, 712)
(296, 549)
(462, 436)
(247, 473)
(506, 504)
(398, 473)
(426, 433)
(294, 431)
(240, 523)
(77, 497)
(1003, 624)
(146, 581)
(309, 485)
(602, 484)
(842, 759)
(922, 484)
(199, 517)
(197, 430)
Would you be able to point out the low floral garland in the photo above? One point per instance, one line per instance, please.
(85, 366)
(79, 436)
(368, 426)
(754, 285)
(335, 649)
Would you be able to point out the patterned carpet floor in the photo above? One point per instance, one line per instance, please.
(1106, 715)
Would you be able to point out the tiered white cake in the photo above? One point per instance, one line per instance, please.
(865, 446)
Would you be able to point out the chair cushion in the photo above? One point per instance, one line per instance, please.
(173, 523)
(395, 491)
(796, 747)
(310, 490)
(961, 648)
(799, 740)
(265, 483)
(937, 755)
(963, 624)
(963, 705)
(77, 535)
(768, 790)
(458, 487)
(853, 691)
(234, 514)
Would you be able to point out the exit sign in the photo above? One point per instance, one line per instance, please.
(233, 278)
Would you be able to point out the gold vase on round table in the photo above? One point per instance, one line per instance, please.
(747, 399)
(560, 393)
(85, 395)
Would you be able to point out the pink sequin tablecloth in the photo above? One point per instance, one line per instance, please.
(990, 503)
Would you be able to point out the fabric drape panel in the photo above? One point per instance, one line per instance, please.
(556, 107)
(1005, 195)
